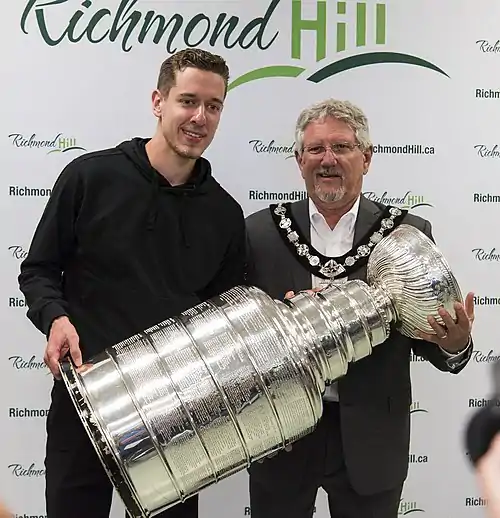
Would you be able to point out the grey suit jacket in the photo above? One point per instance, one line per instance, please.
(375, 394)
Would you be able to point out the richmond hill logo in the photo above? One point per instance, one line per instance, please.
(57, 144)
(333, 24)
(407, 200)
(417, 408)
(407, 507)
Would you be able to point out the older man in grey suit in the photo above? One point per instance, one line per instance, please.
(359, 451)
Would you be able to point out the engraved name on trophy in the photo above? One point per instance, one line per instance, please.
(199, 397)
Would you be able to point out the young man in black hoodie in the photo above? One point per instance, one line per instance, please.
(130, 236)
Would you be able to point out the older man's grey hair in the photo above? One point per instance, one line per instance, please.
(344, 111)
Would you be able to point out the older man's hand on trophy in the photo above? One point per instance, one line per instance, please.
(454, 336)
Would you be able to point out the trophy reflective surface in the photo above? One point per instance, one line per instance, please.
(199, 397)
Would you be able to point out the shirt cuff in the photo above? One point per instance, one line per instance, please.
(455, 360)
(459, 353)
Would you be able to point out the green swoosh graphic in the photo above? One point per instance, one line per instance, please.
(66, 149)
(371, 58)
(414, 511)
(414, 207)
(73, 149)
(419, 409)
(265, 72)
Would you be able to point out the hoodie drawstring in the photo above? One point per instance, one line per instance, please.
(154, 208)
(182, 209)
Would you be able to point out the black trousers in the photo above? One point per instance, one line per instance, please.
(287, 484)
(76, 485)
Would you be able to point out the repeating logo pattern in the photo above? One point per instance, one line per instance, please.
(328, 47)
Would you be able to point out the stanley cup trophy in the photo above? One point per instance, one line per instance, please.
(199, 397)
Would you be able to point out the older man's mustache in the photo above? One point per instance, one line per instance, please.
(328, 172)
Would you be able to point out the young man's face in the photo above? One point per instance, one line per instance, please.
(190, 113)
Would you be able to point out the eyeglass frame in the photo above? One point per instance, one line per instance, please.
(346, 148)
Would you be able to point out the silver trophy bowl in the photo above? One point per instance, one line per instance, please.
(199, 397)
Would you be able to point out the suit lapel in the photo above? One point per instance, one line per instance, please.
(368, 214)
(301, 278)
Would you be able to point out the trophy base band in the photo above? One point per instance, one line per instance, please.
(102, 447)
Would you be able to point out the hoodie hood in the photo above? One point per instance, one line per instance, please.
(135, 150)
(198, 183)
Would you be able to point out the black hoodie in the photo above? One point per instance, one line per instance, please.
(118, 249)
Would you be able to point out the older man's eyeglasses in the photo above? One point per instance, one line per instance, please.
(339, 149)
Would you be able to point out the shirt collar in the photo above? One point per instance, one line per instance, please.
(348, 219)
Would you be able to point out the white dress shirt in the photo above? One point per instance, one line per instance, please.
(332, 243)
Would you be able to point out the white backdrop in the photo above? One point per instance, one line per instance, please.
(77, 76)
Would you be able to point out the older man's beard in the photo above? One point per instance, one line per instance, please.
(329, 196)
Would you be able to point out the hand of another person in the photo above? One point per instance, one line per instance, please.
(62, 338)
(488, 477)
(4, 513)
(291, 294)
(454, 336)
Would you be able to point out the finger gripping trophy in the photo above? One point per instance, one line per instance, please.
(201, 396)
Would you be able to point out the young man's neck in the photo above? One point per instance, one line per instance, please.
(174, 168)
